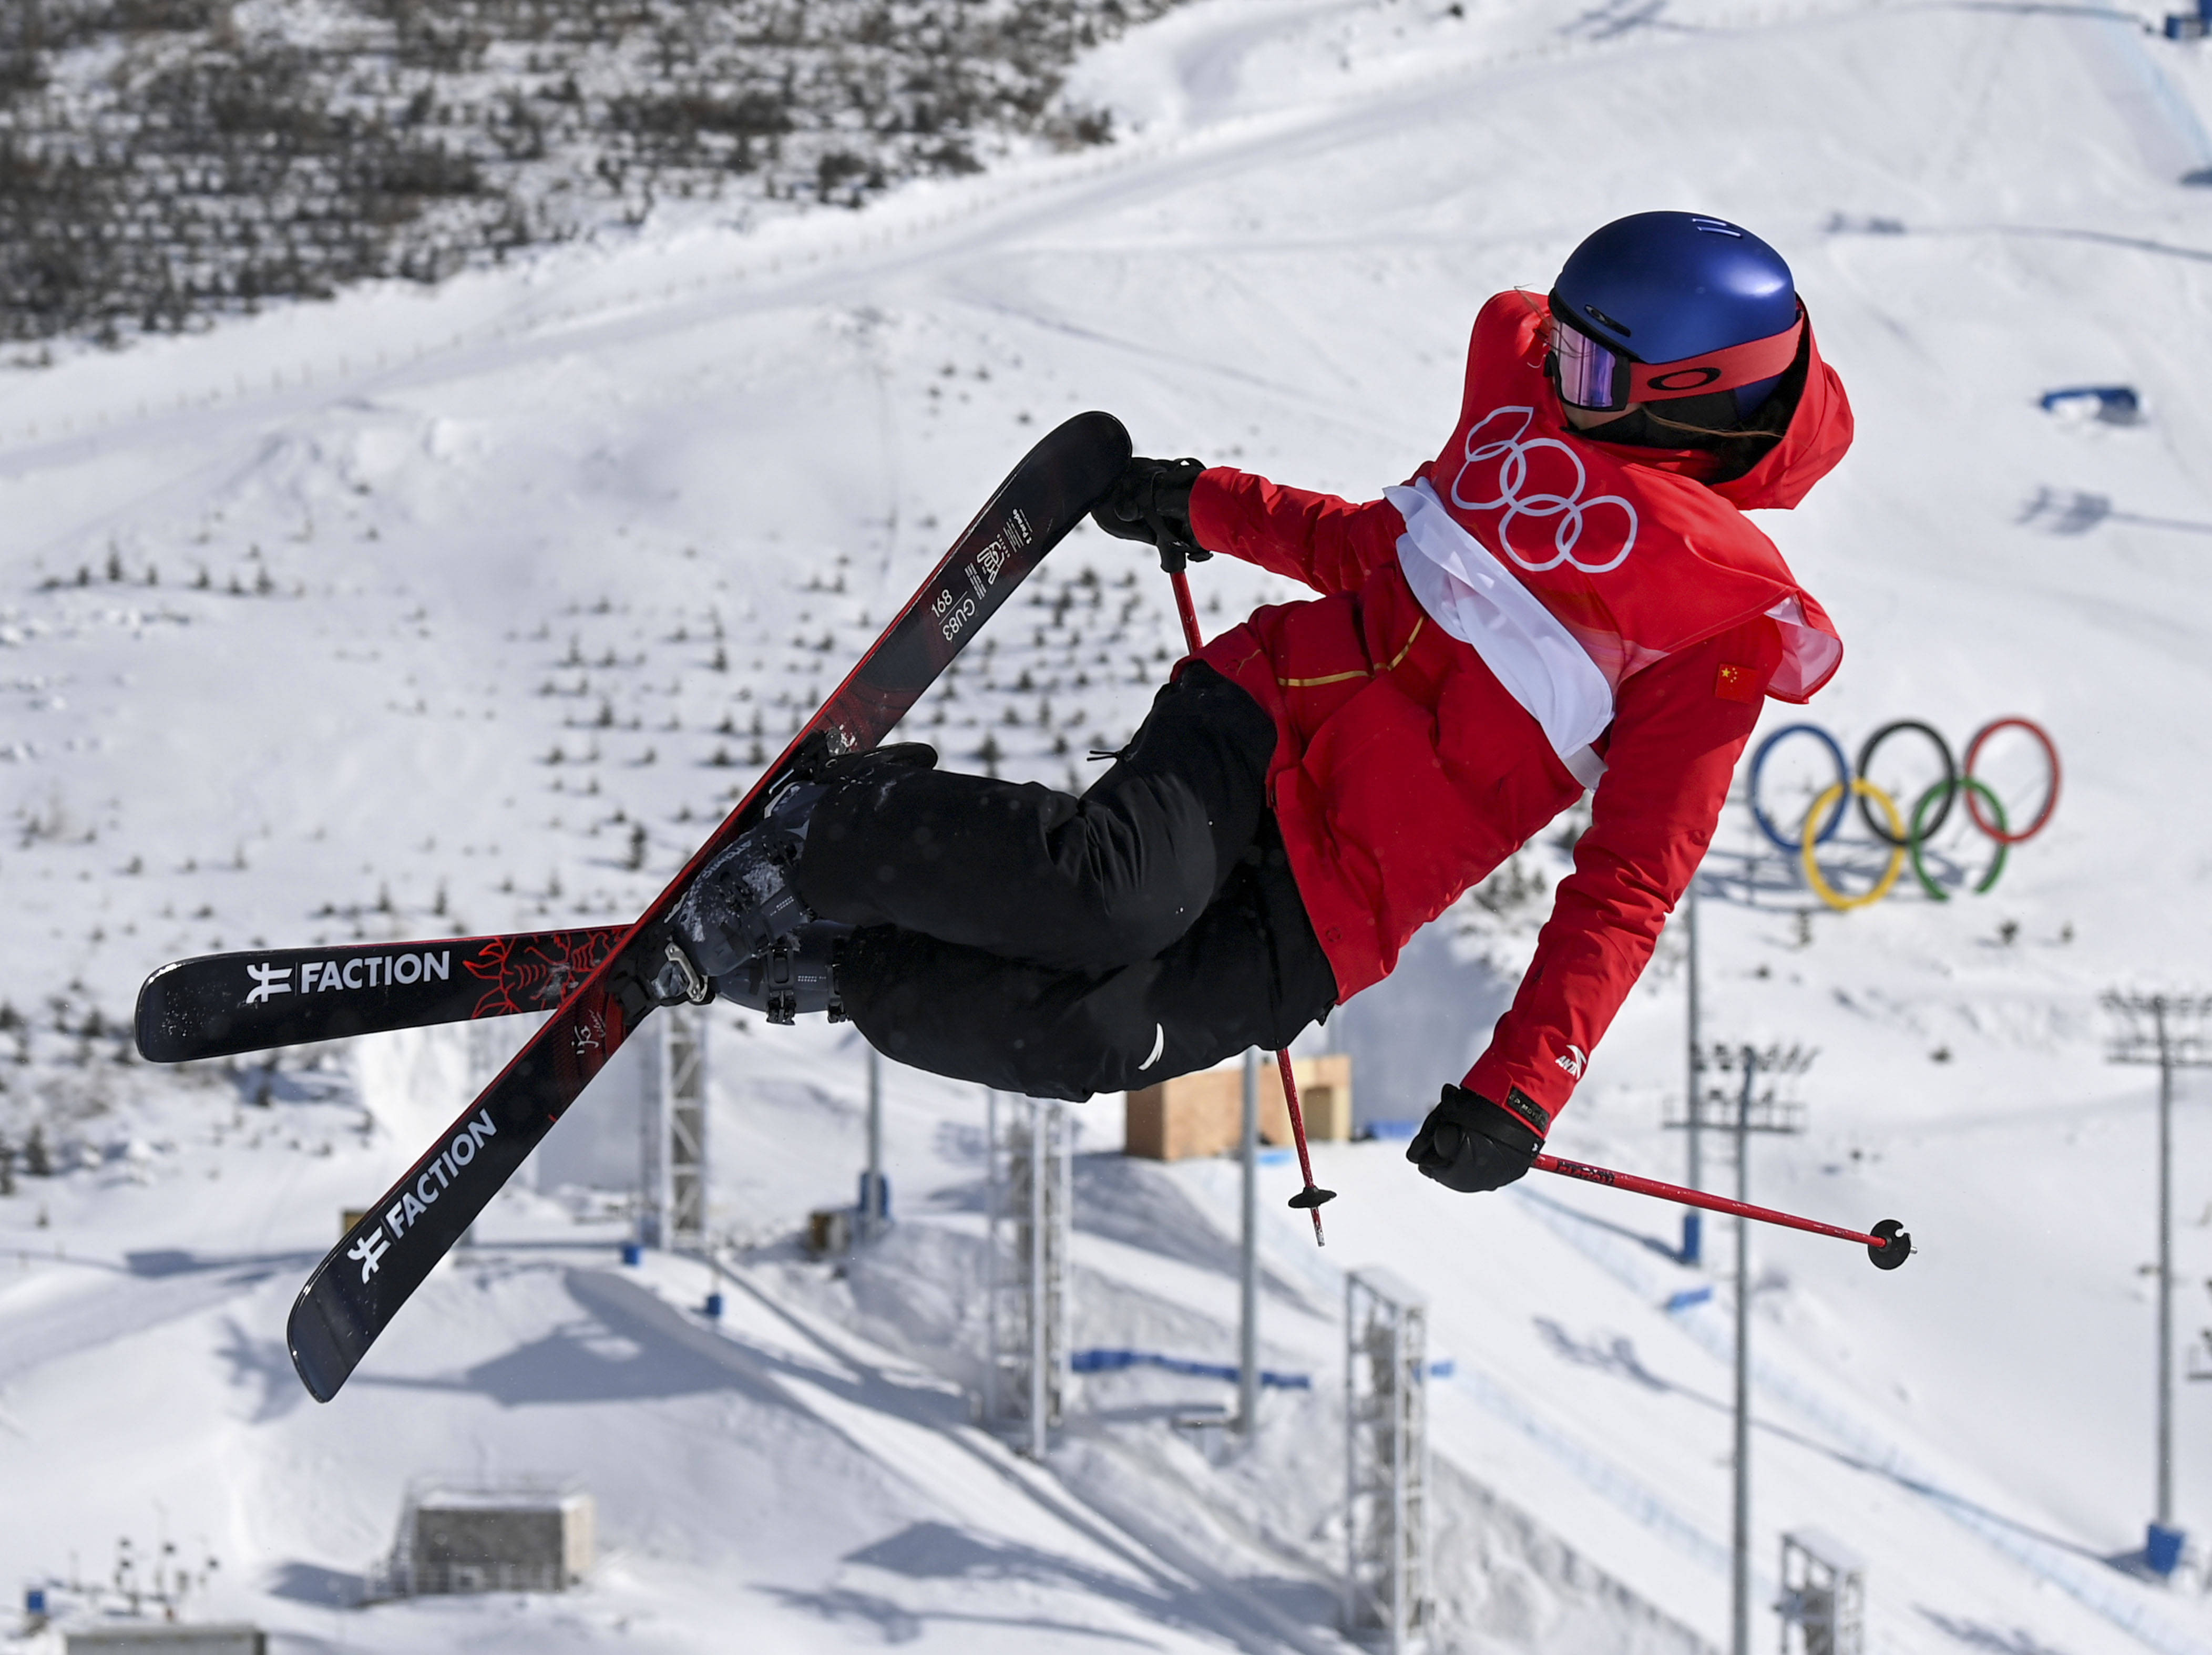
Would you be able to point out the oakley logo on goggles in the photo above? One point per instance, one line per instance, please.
(1593, 374)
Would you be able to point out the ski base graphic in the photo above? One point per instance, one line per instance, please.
(216, 1005)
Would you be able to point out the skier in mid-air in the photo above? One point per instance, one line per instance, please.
(1568, 597)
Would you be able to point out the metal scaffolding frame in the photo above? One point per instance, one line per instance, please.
(1386, 1583)
(1031, 1194)
(1823, 1596)
(673, 1148)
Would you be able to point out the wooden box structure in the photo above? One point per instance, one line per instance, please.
(830, 1231)
(1199, 1114)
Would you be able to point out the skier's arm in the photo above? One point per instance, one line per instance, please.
(1679, 728)
(1328, 543)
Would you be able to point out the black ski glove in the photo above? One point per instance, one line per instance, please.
(1469, 1143)
(1150, 502)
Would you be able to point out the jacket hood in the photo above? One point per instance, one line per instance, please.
(1639, 552)
(1818, 436)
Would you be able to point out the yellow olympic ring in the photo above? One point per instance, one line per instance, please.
(1827, 893)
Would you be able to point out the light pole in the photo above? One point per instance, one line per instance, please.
(1755, 1111)
(875, 1197)
(1248, 1277)
(1693, 1227)
(1740, 1527)
(2167, 1030)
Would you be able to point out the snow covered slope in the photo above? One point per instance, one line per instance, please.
(420, 613)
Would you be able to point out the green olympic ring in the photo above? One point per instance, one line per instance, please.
(1977, 789)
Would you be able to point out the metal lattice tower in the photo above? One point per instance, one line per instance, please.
(1722, 1106)
(1823, 1596)
(1031, 1197)
(673, 1152)
(1385, 1415)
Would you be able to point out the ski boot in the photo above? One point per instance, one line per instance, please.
(744, 900)
(792, 974)
(744, 903)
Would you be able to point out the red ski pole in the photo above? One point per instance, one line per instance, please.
(1193, 638)
(1186, 610)
(1311, 1197)
(1888, 1244)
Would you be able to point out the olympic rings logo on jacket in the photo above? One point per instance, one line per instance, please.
(1511, 474)
(1907, 837)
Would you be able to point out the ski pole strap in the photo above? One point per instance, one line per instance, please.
(1888, 1245)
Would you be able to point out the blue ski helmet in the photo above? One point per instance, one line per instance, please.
(1659, 288)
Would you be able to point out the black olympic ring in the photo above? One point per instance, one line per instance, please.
(1950, 783)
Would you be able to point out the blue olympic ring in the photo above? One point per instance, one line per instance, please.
(1788, 844)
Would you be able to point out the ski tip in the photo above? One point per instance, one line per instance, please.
(319, 1357)
(1110, 435)
(1896, 1245)
(161, 1030)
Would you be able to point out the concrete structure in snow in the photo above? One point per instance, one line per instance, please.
(212, 1639)
(458, 1539)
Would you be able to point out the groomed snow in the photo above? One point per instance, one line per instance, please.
(620, 503)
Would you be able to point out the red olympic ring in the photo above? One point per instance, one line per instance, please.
(2049, 799)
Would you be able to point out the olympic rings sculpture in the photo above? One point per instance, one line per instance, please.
(1906, 835)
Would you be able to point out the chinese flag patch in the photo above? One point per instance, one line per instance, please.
(1737, 684)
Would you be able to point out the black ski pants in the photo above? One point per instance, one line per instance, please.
(1031, 941)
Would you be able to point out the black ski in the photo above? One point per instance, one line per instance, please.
(360, 1286)
(218, 1004)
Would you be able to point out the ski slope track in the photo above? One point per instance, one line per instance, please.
(471, 610)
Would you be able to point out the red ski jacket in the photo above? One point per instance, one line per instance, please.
(1407, 769)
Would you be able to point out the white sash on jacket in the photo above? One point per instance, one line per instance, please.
(1475, 597)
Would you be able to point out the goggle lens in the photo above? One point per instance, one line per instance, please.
(1590, 374)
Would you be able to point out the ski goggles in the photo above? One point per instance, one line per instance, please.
(1593, 374)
